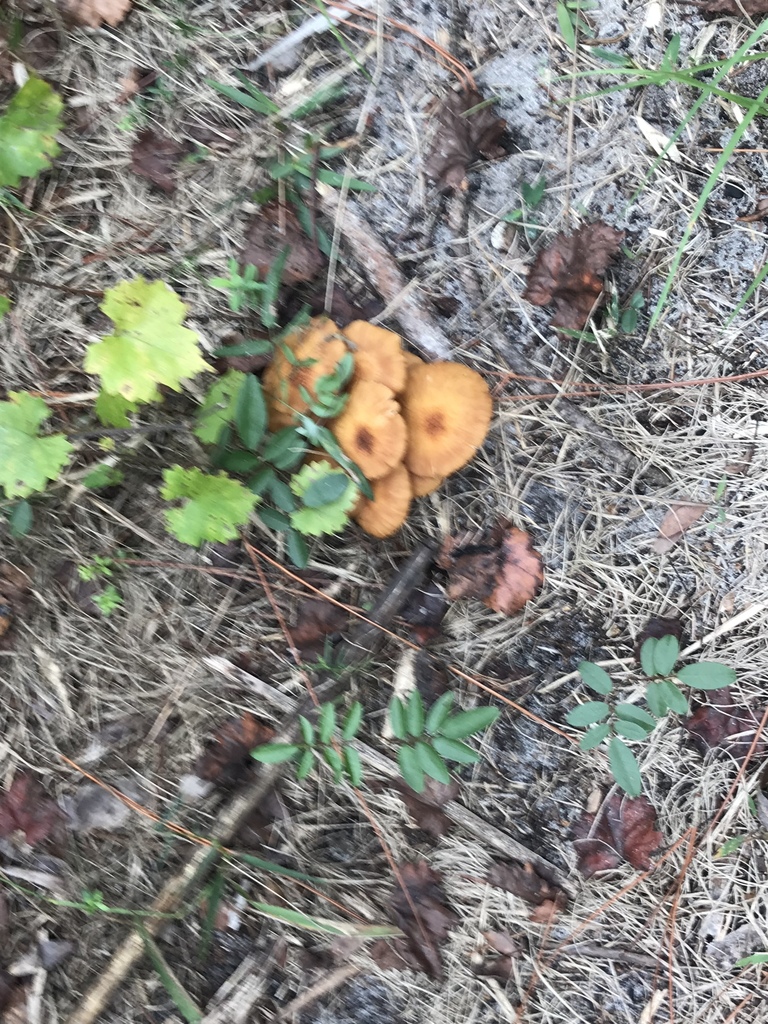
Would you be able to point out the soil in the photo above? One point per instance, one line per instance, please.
(131, 696)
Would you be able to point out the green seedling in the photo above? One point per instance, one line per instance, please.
(532, 196)
(612, 722)
(571, 22)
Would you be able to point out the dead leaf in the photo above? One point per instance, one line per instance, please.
(624, 829)
(425, 807)
(425, 611)
(155, 155)
(95, 13)
(424, 932)
(317, 620)
(461, 137)
(227, 760)
(740, 942)
(681, 516)
(502, 942)
(503, 570)
(546, 912)
(569, 273)
(272, 229)
(14, 601)
(720, 723)
(714, 8)
(523, 880)
(27, 807)
(658, 627)
(136, 81)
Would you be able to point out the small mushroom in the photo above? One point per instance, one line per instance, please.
(388, 510)
(447, 409)
(371, 430)
(319, 346)
(378, 354)
(423, 485)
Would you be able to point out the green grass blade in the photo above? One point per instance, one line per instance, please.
(181, 998)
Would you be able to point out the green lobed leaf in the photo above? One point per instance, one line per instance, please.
(630, 713)
(213, 506)
(275, 753)
(673, 697)
(438, 713)
(414, 714)
(587, 714)
(465, 723)
(219, 405)
(397, 718)
(326, 723)
(112, 410)
(251, 412)
(103, 476)
(624, 767)
(149, 345)
(648, 656)
(455, 750)
(706, 675)
(665, 655)
(298, 549)
(353, 766)
(28, 460)
(596, 678)
(329, 518)
(431, 762)
(594, 736)
(352, 721)
(410, 769)
(28, 132)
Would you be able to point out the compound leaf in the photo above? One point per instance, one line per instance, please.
(251, 412)
(594, 736)
(455, 750)
(648, 656)
(666, 654)
(112, 410)
(587, 714)
(28, 461)
(673, 697)
(706, 675)
(596, 678)
(213, 506)
(149, 345)
(465, 723)
(28, 132)
(432, 763)
(624, 767)
(630, 713)
(410, 768)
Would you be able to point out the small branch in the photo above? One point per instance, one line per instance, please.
(127, 432)
(10, 275)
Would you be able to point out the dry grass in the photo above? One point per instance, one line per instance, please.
(592, 523)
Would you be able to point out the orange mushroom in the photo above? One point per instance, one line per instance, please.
(447, 409)
(319, 348)
(388, 510)
(378, 354)
(371, 430)
(423, 485)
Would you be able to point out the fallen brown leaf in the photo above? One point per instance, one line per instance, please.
(569, 273)
(272, 229)
(624, 829)
(27, 807)
(136, 81)
(461, 137)
(658, 627)
(523, 880)
(546, 912)
(426, 807)
(424, 931)
(227, 760)
(720, 723)
(155, 155)
(681, 516)
(714, 8)
(503, 570)
(316, 621)
(95, 13)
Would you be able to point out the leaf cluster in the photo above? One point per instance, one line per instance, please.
(431, 738)
(619, 721)
(324, 741)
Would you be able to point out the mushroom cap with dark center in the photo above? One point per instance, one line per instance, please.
(447, 409)
(371, 430)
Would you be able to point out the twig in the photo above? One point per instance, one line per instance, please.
(128, 954)
(11, 275)
(321, 988)
(385, 275)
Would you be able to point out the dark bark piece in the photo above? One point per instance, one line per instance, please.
(264, 241)
(317, 620)
(720, 724)
(155, 156)
(569, 273)
(462, 137)
(227, 761)
(425, 612)
(524, 881)
(624, 829)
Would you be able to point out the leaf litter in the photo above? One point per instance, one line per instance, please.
(681, 517)
(467, 128)
(26, 807)
(720, 723)
(622, 830)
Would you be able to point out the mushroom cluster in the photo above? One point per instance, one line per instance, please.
(407, 424)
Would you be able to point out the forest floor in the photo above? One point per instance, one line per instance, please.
(617, 424)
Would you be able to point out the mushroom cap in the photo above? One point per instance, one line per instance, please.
(371, 430)
(412, 361)
(447, 409)
(423, 485)
(389, 508)
(283, 381)
(378, 354)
